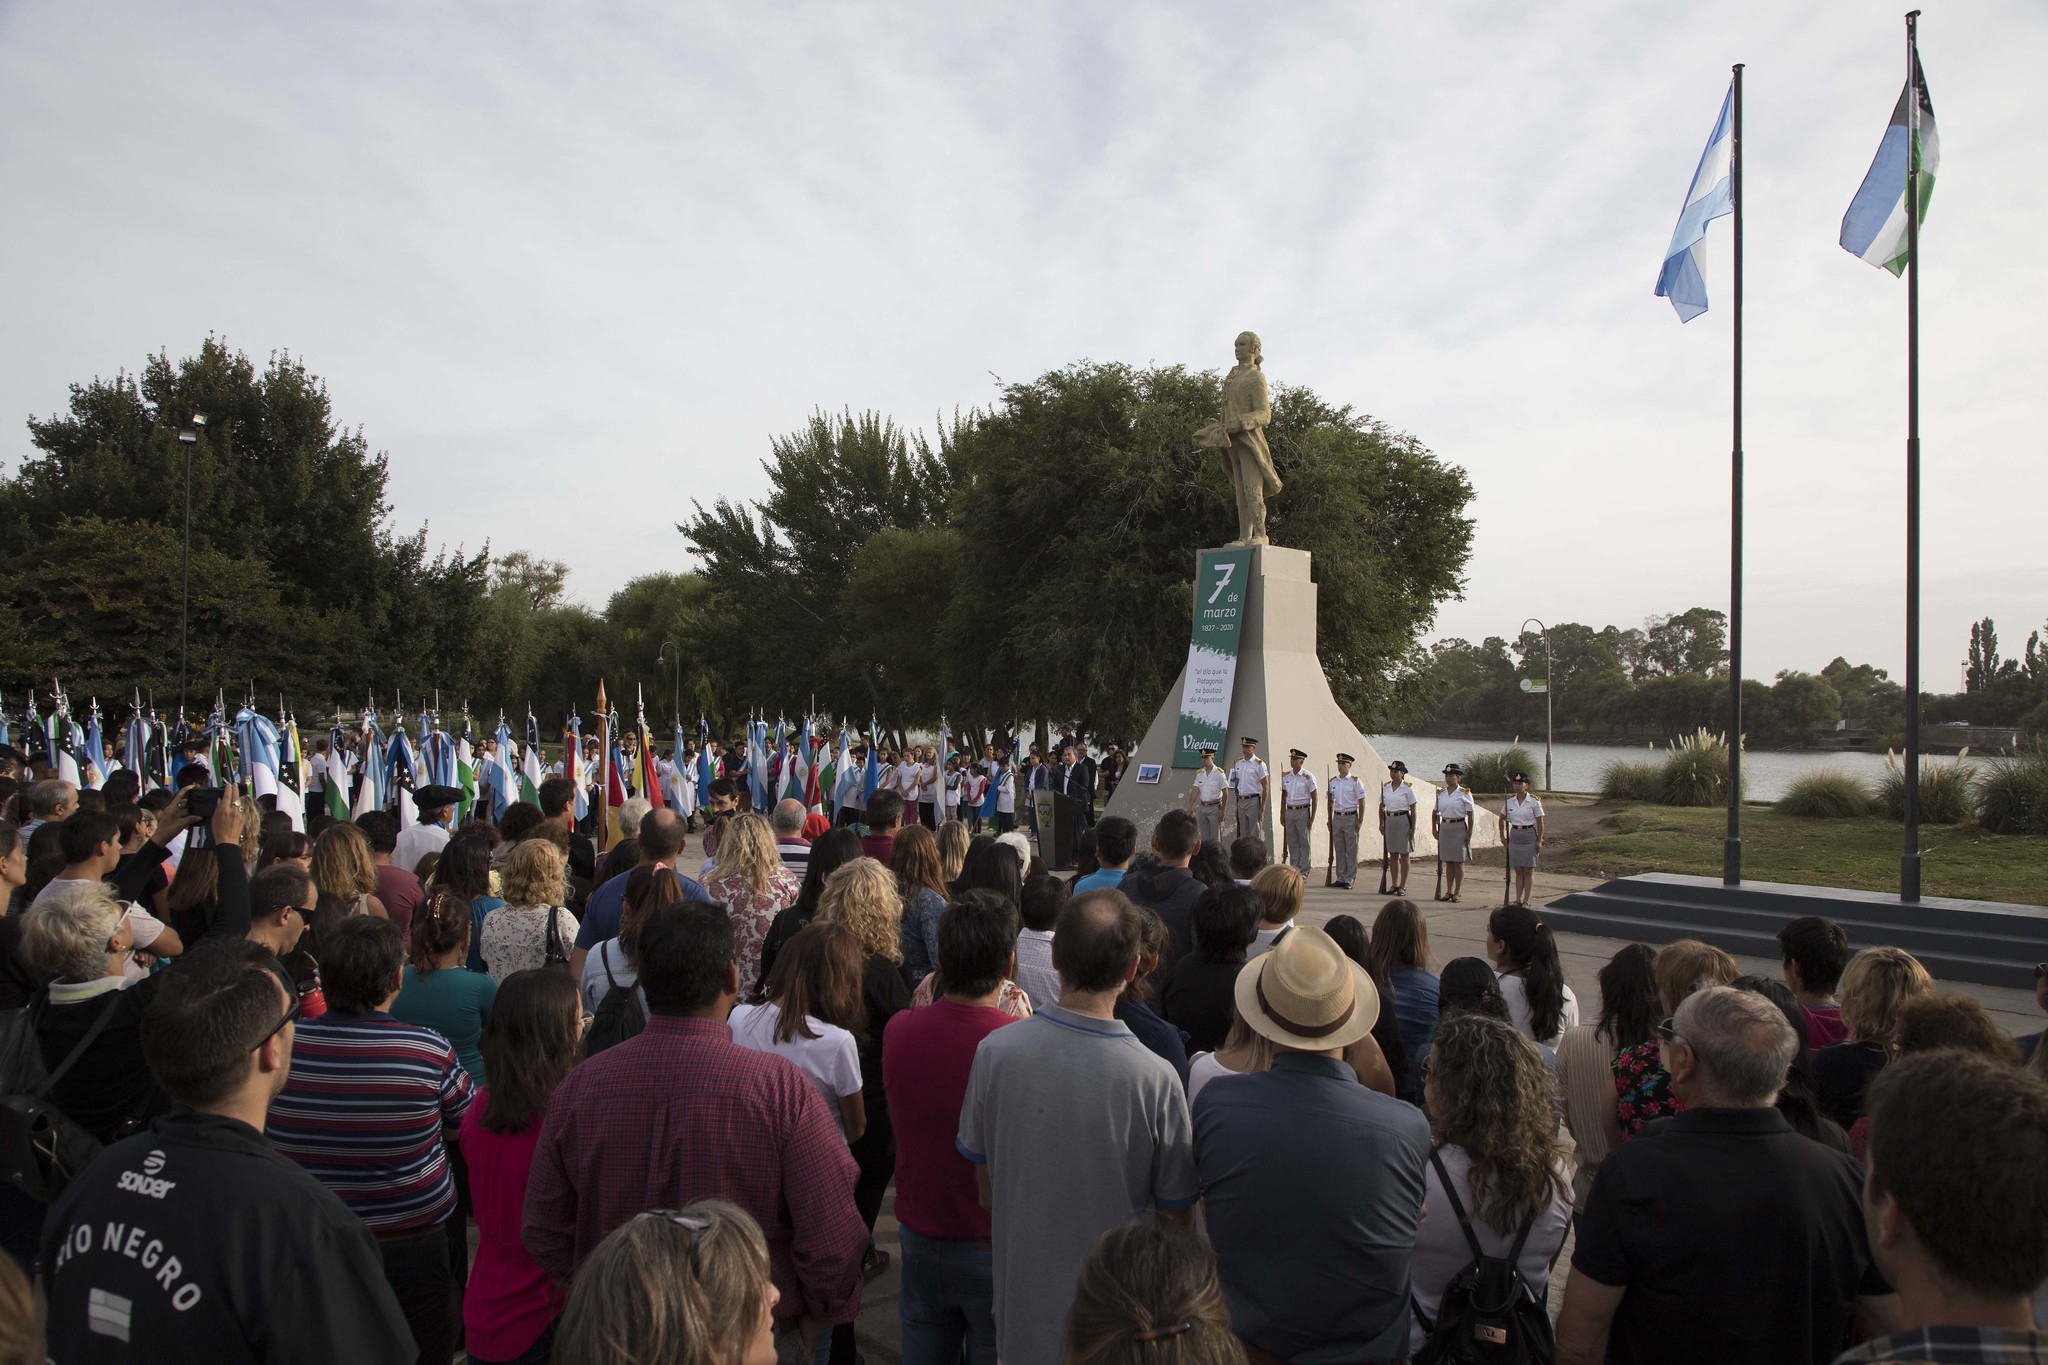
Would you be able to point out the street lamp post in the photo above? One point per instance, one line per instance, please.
(188, 438)
(677, 665)
(1548, 683)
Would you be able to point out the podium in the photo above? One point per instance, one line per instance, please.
(1055, 812)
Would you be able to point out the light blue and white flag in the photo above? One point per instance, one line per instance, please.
(1712, 196)
(1874, 228)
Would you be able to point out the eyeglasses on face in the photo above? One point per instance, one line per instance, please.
(1667, 1032)
(291, 1013)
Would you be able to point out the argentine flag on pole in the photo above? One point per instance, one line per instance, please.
(1874, 228)
(1711, 197)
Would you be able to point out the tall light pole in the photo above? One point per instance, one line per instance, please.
(1548, 683)
(677, 664)
(187, 438)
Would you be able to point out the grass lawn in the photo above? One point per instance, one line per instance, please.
(1956, 860)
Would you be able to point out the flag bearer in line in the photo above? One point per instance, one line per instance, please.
(1248, 779)
(1397, 825)
(1298, 802)
(1521, 832)
(1205, 796)
(1347, 805)
(1451, 822)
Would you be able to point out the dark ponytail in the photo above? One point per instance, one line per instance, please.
(1532, 951)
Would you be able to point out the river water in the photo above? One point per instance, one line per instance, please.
(1576, 767)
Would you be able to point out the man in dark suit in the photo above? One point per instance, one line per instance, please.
(1076, 779)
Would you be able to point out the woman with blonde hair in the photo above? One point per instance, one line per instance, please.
(342, 868)
(953, 839)
(750, 881)
(533, 928)
(1150, 1296)
(1281, 890)
(674, 1287)
(1876, 986)
(862, 896)
(1497, 1168)
(1642, 1086)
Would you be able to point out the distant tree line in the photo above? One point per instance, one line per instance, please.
(1662, 680)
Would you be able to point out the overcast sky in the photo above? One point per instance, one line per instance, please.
(572, 266)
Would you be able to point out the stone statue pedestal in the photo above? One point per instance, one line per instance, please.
(1282, 698)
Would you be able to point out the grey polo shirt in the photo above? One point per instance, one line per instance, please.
(1313, 1188)
(1082, 1127)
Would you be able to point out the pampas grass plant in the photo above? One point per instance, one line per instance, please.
(1948, 791)
(1829, 794)
(1487, 773)
(1642, 780)
(1695, 772)
(2012, 794)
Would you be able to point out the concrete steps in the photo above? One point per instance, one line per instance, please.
(1957, 940)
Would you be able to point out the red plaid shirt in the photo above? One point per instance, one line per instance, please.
(682, 1113)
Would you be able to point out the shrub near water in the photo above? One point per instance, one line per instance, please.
(1642, 780)
(1488, 773)
(1948, 791)
(1695, 772)
(1829, 794)
(2012, 795)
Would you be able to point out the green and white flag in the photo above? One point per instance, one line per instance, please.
(1874, 228)
(1221, 581)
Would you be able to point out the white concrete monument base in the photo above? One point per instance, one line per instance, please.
(1282, 698)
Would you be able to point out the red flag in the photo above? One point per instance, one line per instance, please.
(650, 779)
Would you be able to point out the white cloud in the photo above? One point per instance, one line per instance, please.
(573, 267)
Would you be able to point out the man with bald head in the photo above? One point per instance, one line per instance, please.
(788, 822)
(1721, 1233)
(1074, 1127)
(661, 844)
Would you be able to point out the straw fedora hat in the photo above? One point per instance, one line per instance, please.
(1306, 993)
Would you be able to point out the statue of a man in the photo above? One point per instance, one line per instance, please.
(1241, 437)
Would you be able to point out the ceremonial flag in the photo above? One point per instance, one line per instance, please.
(57, 742)
(95, 749)
(531, 774)
(705, 776)
(572, 763)
(4, 739)
(336, 776)
(843, 773)
(401, 774)
(607, 818)
(437, 759)
(685, 782)
(135, 750)
(871, 774)
(1711, 196)
(33, 725)
(258, 740)
(650, 771)
(1874, 228)
(757, 764)
(370, 791)
(465, 770)
(291, 773)
(796, 773)
(502, 778)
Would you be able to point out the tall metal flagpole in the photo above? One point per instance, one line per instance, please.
(1731, 850)
(1909, 863)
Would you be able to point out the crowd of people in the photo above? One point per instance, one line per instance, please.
(357, 1092)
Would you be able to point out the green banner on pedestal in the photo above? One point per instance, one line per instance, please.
(1222, 582)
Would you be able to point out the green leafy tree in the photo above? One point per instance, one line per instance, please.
(1078, 501)
(776, 569)
(1981, 665)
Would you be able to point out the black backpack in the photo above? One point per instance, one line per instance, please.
(1488, 1316)
(619, 1015)
(41, 1147)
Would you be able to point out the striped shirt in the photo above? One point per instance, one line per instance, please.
(364, 1111)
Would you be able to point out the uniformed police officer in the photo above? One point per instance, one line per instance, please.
(1297, 809)
(196, 1240)
(1205, 797)
(1347, 804)
(1451, 822)
(1521, 830)
(1248, 781)
(1397, 826)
